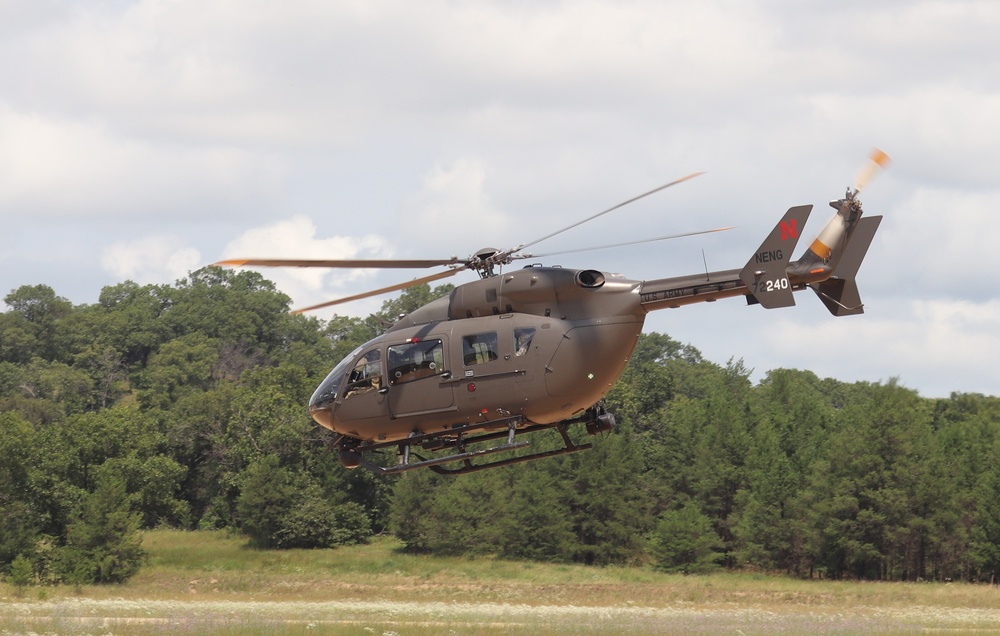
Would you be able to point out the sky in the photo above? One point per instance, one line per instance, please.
(141, 140)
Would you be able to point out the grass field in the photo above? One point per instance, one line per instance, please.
(211, 583)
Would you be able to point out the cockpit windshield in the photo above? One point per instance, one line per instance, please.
(327, 391)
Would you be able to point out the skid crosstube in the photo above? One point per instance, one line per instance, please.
(460, 437)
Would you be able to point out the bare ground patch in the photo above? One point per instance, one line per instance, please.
(121, 616)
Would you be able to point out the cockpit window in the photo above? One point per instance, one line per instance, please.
(327, 391)
(366, 375)
(480, 348)
(415, 360)
(522, 340)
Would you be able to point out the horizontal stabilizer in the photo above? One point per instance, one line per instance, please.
(764, 274)
(840, 292)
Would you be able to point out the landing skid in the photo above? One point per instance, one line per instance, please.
(461, 437)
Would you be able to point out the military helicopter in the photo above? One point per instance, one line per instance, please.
(521, 351)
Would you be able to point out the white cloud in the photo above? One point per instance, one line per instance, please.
(937, 346)
(936, 242)
(61, 167)
(296, 238)
(150, 260)
(454, 213)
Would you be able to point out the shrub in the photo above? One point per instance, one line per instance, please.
(22, 573)
(686, 542)
(103, 544)
(277, 511)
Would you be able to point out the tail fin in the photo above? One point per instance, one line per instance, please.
(765, 274)
(840, 292)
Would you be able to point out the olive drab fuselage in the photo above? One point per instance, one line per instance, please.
(544, 343)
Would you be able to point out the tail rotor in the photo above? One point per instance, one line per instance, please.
(877, 162)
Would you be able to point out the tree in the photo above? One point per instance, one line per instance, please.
(719, 471)
(608, 505)
(103, 543)
(20, 520)
(228, 306)
(765, 534)
(411, 506)
(129, 318)
(686, 542)
(22, 573)
(267, 496)
(790, 420)
(39, 311)
(279, 508)
(181, 366)
(538, 525)
(872, 511)
(985, 548)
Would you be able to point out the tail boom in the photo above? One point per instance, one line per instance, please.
(828, 266)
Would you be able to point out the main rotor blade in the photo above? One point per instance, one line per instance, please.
(384, 290)
(603, 247)
(353, 264)
(611, 209)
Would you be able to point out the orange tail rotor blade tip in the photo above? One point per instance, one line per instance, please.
(880, 158)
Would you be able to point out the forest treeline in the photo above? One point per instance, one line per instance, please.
(184, 406)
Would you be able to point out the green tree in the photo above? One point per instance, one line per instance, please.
(228, 306)
(872, 511)
(608, 504)
(128, 318)
(538, 525)
(765, 534)
(985, 548)
(36, 313)
(266, 498)
(791, 418)
(410, 508)
(20, 521)
(181, 366)
(685, 542)
(279, 508)
(22, 573)
(56, 382)
(719, 472)
(153, 485)
(103, 542)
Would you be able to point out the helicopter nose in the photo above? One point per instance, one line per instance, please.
(322, 414)
(321, 406)
(322, 402)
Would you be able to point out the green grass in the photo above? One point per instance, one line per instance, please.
(211, 582)
(218, 564)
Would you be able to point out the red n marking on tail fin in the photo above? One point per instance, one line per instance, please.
(789, 229)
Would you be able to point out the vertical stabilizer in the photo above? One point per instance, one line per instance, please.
(840, 292)
(765, 273)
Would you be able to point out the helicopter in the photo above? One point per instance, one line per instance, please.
(457, 381)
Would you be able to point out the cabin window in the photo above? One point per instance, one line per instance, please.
(366, 375)
(522, 340)
(480, 348)
(415, 360)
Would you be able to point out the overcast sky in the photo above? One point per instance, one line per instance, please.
(142, 140)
